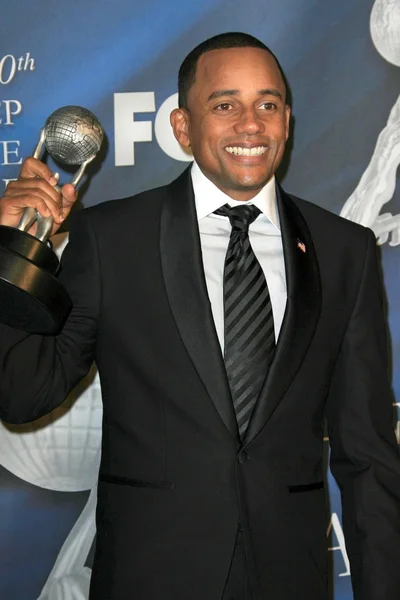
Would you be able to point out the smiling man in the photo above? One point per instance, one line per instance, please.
(227, 320)
(234, 117)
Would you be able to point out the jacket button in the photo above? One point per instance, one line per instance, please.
(242, 457)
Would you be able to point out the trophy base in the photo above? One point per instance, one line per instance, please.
(31, 298)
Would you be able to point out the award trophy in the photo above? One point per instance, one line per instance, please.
(31, 298)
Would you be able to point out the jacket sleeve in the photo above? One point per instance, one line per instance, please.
(364, 453)
(37, 372)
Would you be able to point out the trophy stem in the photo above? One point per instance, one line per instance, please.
(79, 174)
(39, 146)
(28, 218)
(44, 226)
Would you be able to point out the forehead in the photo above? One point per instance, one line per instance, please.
(237, 68)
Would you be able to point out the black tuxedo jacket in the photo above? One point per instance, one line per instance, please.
(174, 480)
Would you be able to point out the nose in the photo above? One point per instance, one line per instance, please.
(249, 122)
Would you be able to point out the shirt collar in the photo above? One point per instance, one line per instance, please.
(208, 197)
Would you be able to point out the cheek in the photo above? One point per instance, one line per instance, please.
(208, 141)
(279, 135)
(213, 130)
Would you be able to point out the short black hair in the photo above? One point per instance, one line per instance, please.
(230, 39)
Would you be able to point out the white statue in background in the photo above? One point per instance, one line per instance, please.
(378, 183)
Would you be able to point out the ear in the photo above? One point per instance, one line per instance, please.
(179, 120)
(287, 116)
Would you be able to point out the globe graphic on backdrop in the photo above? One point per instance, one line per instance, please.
(73, 134)
(60, 451)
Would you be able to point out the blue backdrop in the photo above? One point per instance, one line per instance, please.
(120, 60)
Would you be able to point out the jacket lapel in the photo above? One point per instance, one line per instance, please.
(301, 316)
(185, 284)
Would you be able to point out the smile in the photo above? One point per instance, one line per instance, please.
(240, 151)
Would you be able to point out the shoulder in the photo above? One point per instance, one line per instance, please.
(135, 214)
(328, 228)
(146, 201)
(146, 205)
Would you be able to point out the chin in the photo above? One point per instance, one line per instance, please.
(250, 183)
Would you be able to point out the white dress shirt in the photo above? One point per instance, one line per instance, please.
(265, 238)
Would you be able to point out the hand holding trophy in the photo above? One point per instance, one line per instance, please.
(31, 298)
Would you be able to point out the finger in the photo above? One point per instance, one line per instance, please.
(22, 186)
(43, 203)
(69, 196)
(32, 167)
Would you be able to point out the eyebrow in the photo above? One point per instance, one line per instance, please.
(265, 92)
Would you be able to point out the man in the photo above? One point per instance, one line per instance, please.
(211, 479)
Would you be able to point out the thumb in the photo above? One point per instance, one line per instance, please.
(68, 196)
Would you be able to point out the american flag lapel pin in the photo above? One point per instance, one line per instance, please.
(301, 246)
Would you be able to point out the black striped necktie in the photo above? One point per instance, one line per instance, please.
(249, 325)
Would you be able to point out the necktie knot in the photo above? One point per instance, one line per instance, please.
(240, 217)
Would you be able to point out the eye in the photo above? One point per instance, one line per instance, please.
(223, 107)
(268, 106)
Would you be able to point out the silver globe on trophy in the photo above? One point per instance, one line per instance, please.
(31, 297)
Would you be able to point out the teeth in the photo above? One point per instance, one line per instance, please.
(240, 151)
